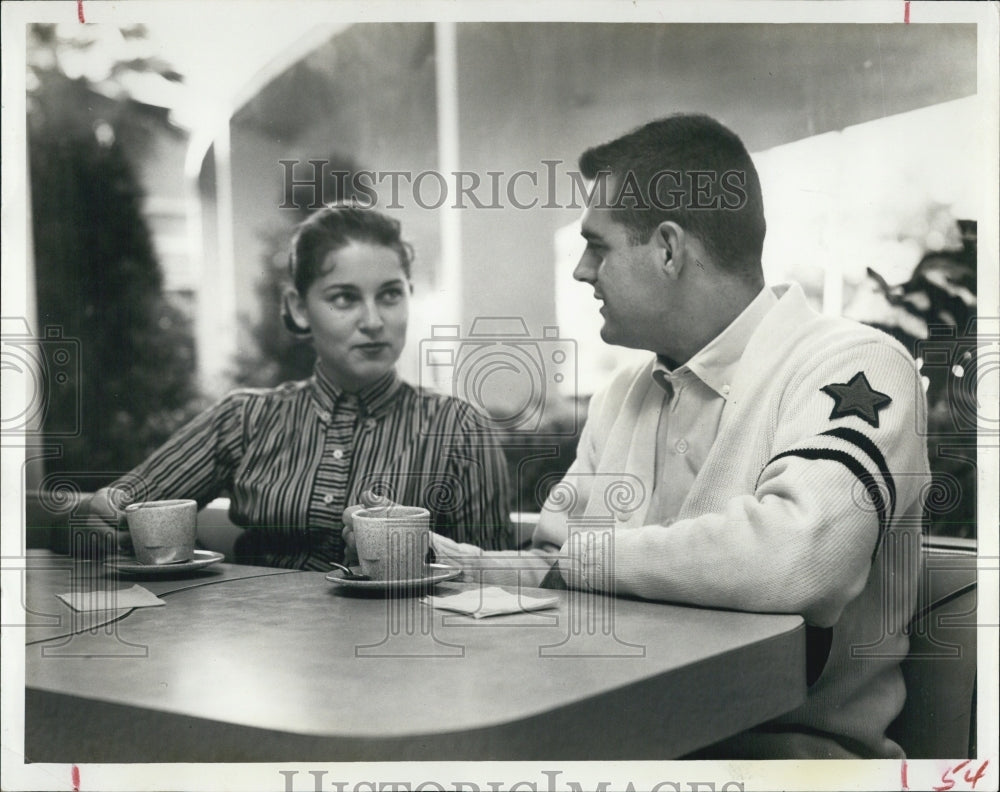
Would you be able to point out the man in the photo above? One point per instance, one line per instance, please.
(775, 457)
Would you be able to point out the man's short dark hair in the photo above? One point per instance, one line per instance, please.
(692, 170)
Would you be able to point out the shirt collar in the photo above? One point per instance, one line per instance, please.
(715, 363)
(372, 400)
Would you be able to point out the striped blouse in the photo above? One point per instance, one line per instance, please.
(292, 458)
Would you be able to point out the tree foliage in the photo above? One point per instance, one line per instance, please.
(98, 279)
(934, 315)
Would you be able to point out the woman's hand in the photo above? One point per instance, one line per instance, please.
(368, 500)
(105, 505)
(105, 526)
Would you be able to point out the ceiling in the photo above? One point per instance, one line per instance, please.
(772, 83)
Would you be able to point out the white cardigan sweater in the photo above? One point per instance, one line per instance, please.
(802, 506)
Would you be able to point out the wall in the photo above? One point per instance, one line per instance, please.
(529, 92)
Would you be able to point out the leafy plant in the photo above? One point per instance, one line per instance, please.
(98, 280)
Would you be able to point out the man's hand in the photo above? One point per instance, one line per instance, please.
(531, 567)
(448, 551)
(368, 500)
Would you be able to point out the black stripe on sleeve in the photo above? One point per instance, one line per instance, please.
(864, 443)
(866, 479)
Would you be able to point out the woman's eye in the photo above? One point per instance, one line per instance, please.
(392, 296)
(341, 300)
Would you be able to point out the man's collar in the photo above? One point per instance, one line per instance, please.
(715, 364)
(373, 400)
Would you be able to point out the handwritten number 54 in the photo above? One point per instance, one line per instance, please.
(948, 776)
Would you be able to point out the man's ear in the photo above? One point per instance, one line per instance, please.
(669, 239)
(293, 312)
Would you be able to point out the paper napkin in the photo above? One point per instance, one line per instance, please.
(135, 597)
(489, 601)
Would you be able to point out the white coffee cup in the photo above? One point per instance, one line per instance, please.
(163, 532)
(392, 541)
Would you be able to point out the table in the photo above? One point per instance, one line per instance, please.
(281, 667)
(47, 574)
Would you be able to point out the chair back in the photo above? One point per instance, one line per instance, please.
(938, 719)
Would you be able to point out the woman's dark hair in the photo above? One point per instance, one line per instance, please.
(334, 227)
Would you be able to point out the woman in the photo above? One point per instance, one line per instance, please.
(292, 458)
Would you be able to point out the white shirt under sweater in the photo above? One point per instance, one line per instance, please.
(806, 503)
(694, 396)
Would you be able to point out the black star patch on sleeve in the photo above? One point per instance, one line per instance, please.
(856, 397)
